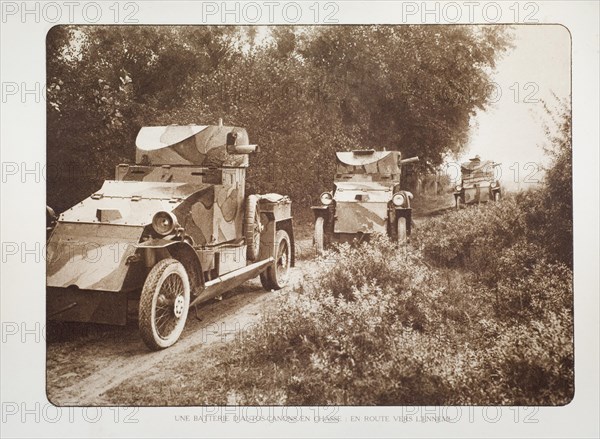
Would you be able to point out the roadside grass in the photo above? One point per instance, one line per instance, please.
(474, 311)
(428, 205)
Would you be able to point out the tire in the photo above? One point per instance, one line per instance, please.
(497, 196)
(50, 220)
(164, 304)
(252, 228)
(319, 236)
(277, 275)
(457, 203)
(401, 230)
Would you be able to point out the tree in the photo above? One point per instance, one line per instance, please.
(303, 94)
(105, 82)
(412, 88)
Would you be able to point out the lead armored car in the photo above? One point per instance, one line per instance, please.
(367, 199)
(478, 183)
(172, 231)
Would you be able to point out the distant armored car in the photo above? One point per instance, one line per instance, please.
(367, 199)
(171, 231)
(478, 183)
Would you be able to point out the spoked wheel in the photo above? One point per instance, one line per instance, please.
(457, 203)
(402, 230)
(277, 275)
(497, 196)
(164, 304)
(319, 236)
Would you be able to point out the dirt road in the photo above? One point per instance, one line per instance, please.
(85, 361)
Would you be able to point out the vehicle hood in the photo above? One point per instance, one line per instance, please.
(472, 184)
(91, 243)
(131, 203)
(91, 256)
(368, 191)
(361, 207)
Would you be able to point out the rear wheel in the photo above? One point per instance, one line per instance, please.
(319, 236)
(164, 304)
(277, 275)
(402, 230)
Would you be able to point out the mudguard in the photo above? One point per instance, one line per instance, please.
(92, 256)
(275, 214)
(184, 253)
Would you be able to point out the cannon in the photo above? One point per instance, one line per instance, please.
(171, 231)
(478, 183)
(367, 199)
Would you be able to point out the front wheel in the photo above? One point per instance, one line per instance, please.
(164, 304)
(277, 275)
(319, 237)
(497, 196)
(402, 230)
(457, 203)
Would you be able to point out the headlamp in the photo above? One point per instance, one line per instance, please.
(326, 198)
(164, 223)
(398, 200)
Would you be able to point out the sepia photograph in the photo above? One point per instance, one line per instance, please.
(299, 219)
(309, 215)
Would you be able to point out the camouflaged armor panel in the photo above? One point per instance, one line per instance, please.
(198, 145)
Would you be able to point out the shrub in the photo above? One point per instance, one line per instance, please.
(377, 326)
(473, 238)
(531, 284)
(532, 362)
(557, 199)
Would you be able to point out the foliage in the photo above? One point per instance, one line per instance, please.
(469, 238)
(557, 203)
(303, 93)
(408, 87)
(536, 223)
(392, 331)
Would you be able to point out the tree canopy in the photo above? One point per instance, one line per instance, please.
(302, 92)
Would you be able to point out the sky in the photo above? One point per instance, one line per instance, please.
(511, 130)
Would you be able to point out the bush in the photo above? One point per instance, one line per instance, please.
(532, 284)
(558, 200)
(531, 363)
(379, 327)
(473, 238)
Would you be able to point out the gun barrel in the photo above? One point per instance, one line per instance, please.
(409, 160)
(242, 149)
